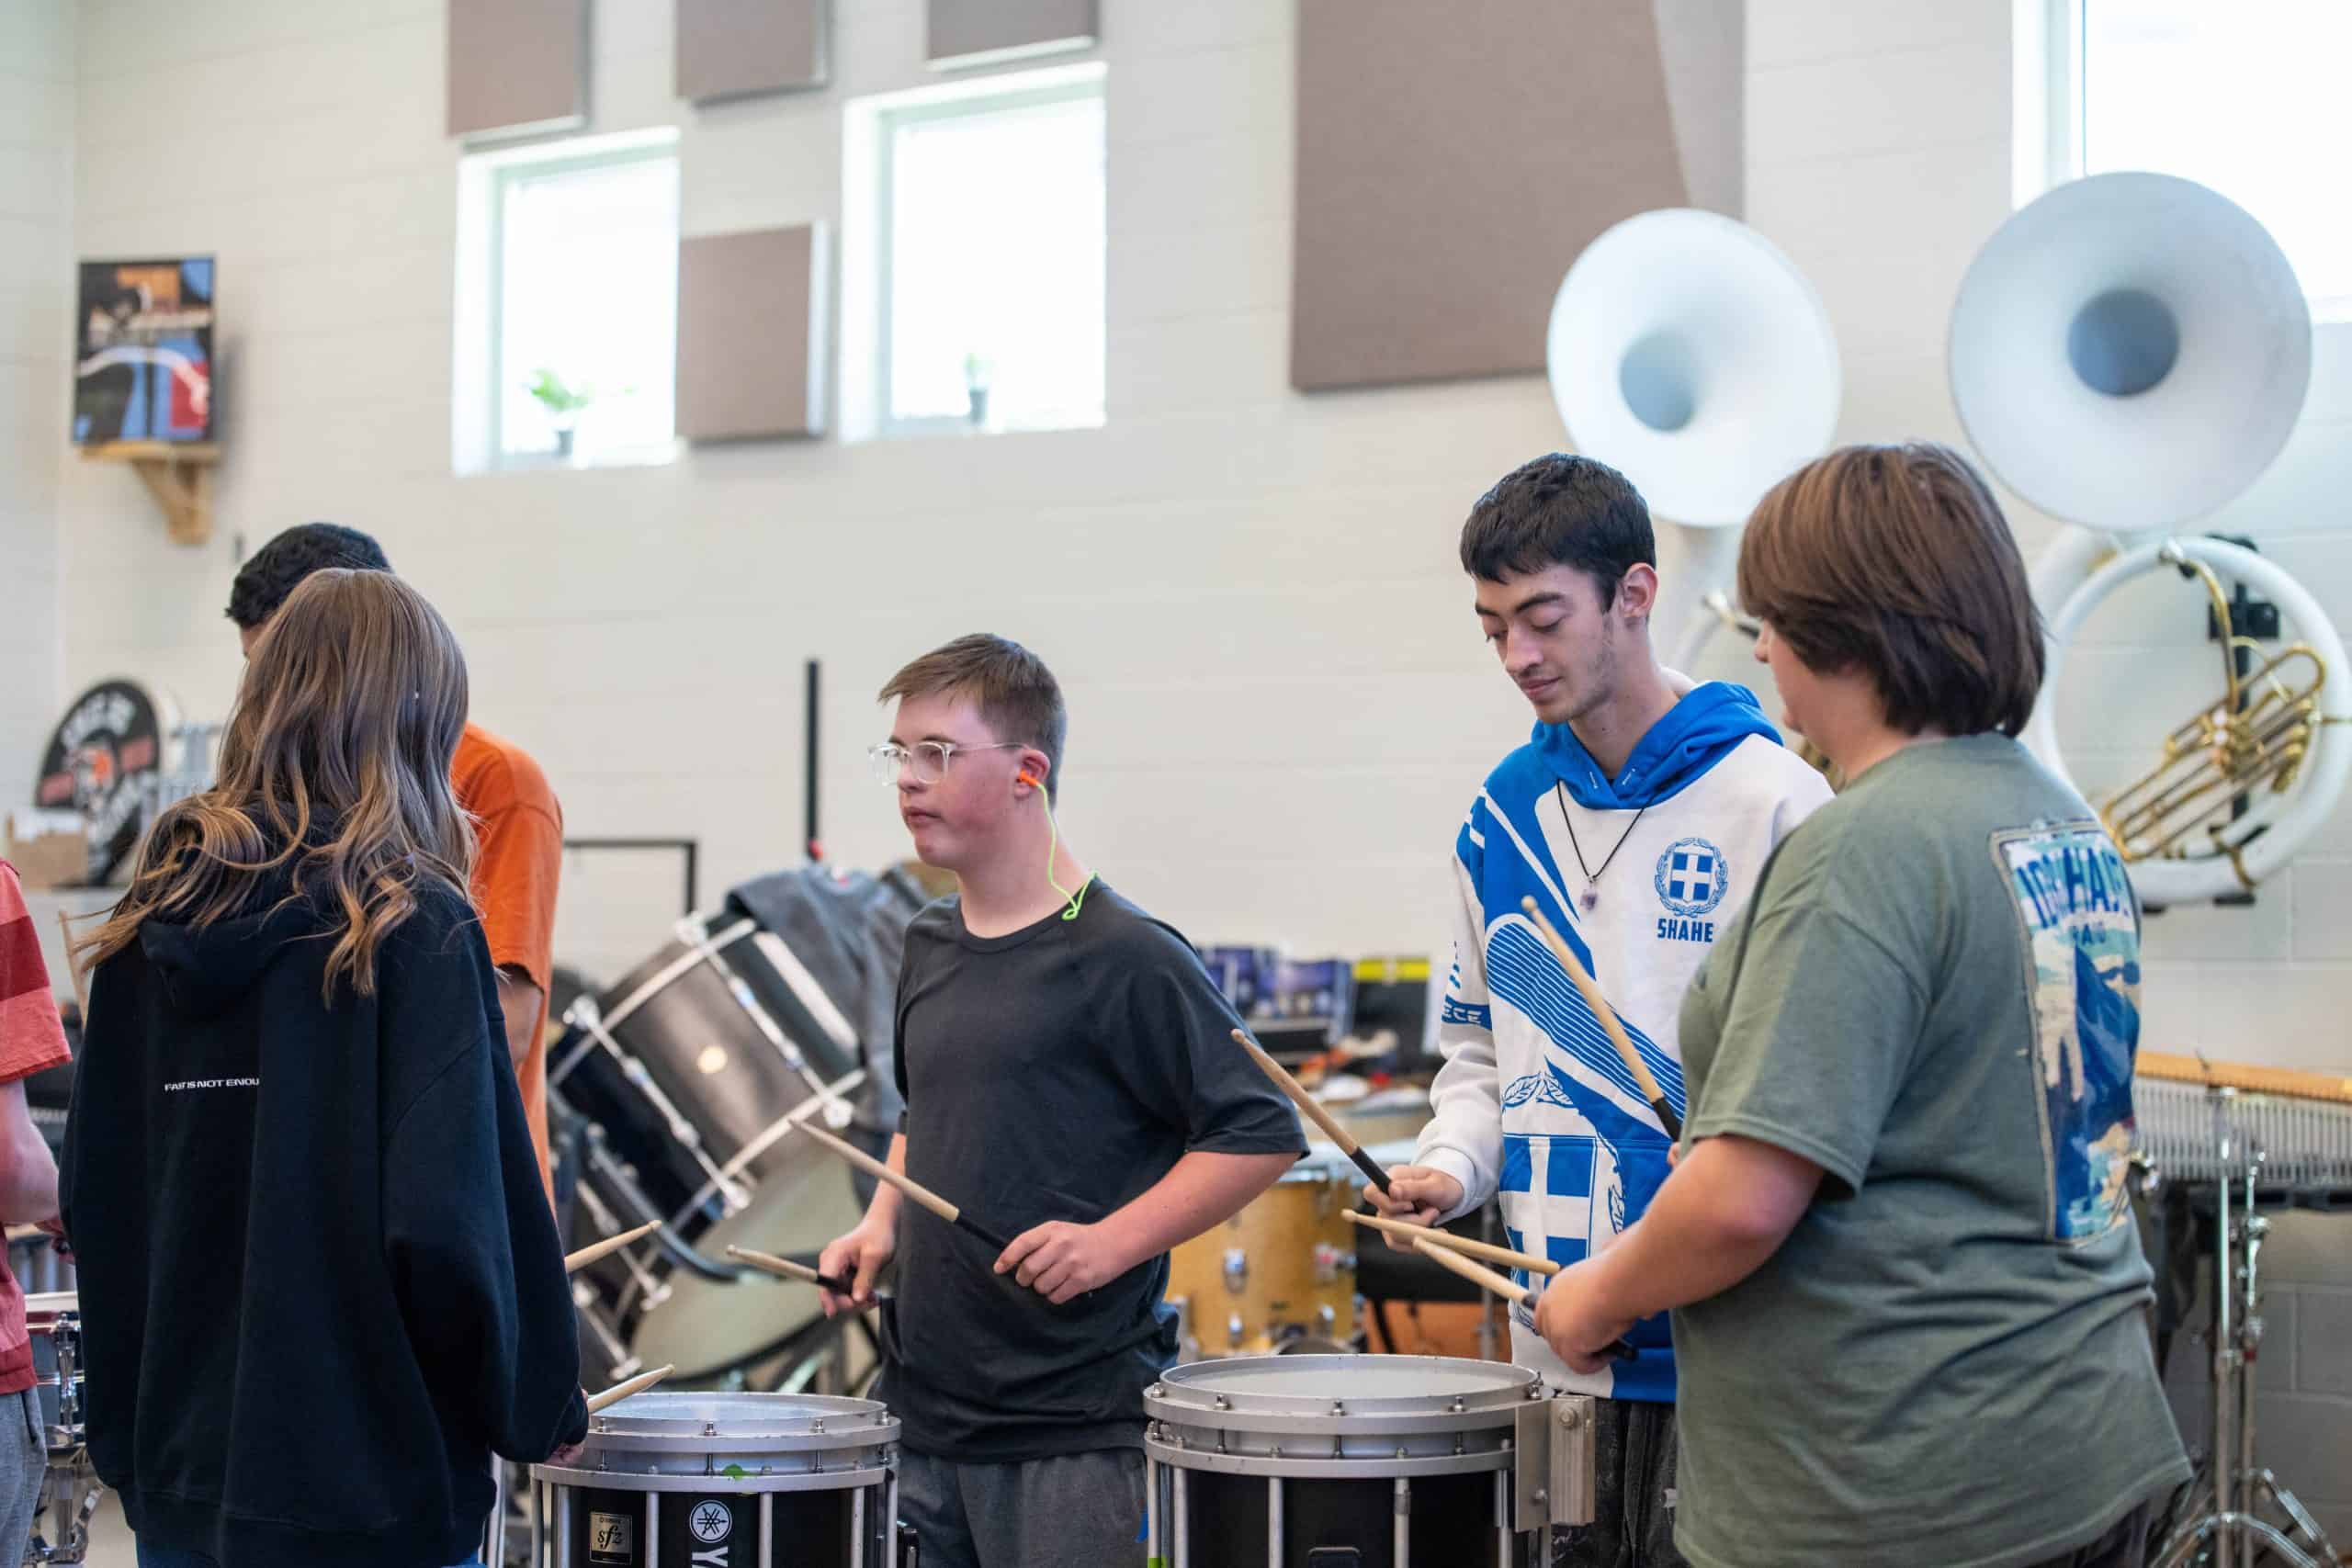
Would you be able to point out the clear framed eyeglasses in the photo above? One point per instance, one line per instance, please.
(927, 758)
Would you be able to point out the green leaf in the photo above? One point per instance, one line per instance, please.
(733, 1472)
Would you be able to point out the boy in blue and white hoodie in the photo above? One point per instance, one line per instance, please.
(1638, 818)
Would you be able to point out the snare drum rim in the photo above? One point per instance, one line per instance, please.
(1363, 1467)
(782, 1481)
(660, 1411)
(1178, 1398)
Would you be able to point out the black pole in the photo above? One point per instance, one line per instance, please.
(808, 783)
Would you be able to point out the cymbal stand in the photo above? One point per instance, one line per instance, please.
(2222, 1526)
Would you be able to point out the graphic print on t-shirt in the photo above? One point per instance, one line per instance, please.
(2082, 932)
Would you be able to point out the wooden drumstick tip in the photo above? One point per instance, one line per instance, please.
(785, 1268)
(881, 1172)
(1313, 1109)
(74, 970)
(1610, 1024)
(621, 1390)
(574, 1262)
(1476, 1273)
(1462, 1244)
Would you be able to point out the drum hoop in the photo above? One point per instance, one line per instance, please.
(768, 1137)
(787, 1481)
(697, 952)
(804, 988)
(1178, 1395)
(1371, 1467)
(675, 1410)
(1307, 1424)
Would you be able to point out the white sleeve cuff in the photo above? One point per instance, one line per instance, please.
(1460, 1167)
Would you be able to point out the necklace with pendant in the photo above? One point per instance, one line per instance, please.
(1590, 898)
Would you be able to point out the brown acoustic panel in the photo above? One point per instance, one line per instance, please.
(751, 309)
(728, 49)
(1454, 158)
(518, 65)
(978, 32)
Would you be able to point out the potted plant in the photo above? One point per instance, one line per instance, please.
(563, 405)
(977, 369)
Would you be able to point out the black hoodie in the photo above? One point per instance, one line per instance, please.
(319, 1280)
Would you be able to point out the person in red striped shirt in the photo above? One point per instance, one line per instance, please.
(31, 1040)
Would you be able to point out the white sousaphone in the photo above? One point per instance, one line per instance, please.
(1689, 351)
(2129, 352)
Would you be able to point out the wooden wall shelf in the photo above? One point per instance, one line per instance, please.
(178, 474)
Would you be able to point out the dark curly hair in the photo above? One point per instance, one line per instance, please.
(1560, 511)
(279, 567)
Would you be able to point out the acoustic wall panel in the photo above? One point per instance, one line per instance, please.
(517, 66)
(1452, 160)
(728, 49)
(982, 33)
(752, 313)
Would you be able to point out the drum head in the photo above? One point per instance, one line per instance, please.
(707, 1327)
(1308, 1384)
(709, 1056)
(670, 1413)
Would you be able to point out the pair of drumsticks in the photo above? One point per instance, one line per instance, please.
(1442, 1247)
(784, 1267)
(576, 1261)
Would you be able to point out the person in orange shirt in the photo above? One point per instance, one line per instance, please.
(518, 827)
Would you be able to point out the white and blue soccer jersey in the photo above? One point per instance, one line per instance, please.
(1533, 1104)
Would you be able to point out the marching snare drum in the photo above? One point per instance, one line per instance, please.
(724, 1480)
(1361, 1461)
(1282, 1269)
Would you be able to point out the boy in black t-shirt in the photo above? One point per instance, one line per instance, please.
(1070, 1080)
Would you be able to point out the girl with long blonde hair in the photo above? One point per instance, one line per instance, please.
(320, 1282)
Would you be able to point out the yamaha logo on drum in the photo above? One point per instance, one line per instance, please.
(712, 1523)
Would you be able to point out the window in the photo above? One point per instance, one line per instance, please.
(571, 339)
(2245, 98)
(983, 258)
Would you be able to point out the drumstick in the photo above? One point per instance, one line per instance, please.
(788, 1269)
(576, 1261)
(621, 1390)
(1487, 1251)
(1313, 1111)
(1610, 1024)
(1509, 1289)
(81, 991)
(1477, 1274)
(913, 1188)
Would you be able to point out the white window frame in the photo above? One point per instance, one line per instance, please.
(2048, 91)
(484, 179)
(2052, 105)
(871, 149)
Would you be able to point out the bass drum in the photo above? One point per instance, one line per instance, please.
(687, 1076)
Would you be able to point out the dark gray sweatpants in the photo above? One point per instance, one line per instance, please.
(1082, 1510)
